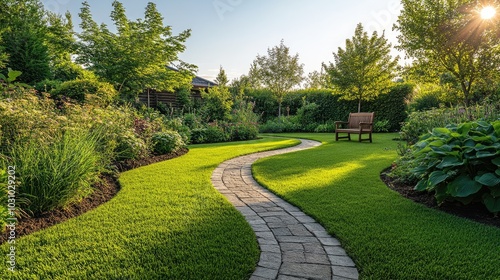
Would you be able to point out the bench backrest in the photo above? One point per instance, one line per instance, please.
(356, 118)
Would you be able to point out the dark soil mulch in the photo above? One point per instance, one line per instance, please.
(474, 211)
(104, 191)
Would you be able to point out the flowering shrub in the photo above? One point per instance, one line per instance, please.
(167, 142)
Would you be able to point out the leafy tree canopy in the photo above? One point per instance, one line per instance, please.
(364, 69)
(450, 35)
(136, 57)
(279, 71)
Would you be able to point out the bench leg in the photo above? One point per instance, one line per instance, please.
(349, 136)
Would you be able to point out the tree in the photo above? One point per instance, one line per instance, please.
(279, 71)
(221, 78)
(317, 80)
(364, 69)
(23, 27)
(137, 57)
(451, 36)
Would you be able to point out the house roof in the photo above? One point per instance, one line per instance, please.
(197, 81)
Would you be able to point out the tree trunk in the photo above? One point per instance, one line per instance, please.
(359, 106)
(279, 109)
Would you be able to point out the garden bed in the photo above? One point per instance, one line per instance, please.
(474, 211)
(104, 191)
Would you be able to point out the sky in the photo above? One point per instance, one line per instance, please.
(231, 33)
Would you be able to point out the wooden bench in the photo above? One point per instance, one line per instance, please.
(358, 123)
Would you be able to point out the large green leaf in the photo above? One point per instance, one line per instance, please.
(437, 177)
(450, 161)
(440, 131)
(484, 154)
(488, 179)
(496, 161)
(422, 185)
(463, 186)
(464, 128)
(493, 204)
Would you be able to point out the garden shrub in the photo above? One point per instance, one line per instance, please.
(420, 123)
(212, 133)
(56, 174)
(381, 126)
(461, 163)
(328, 127)
(47, 85)
(217, 103)
(306, 114)
(167, 142)
(282, 124)
(242, 131)
(88, 91)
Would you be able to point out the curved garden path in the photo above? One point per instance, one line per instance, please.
(292, 244)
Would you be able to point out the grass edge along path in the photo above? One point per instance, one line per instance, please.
(167, 222)
(388, 236)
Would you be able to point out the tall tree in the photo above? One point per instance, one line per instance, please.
(317, 80)
(23, 26)
(364, 69)
(137, 56)
(452, 36)
(279, 71)
(221, 78)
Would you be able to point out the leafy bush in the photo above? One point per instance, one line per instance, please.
(281, 124)
(328, 127)
(167, 142)
(461, 163)
(420, 123)
(212, 133)
(426, 102)
(87, 90)
(217, 103)
(56, 174)
(47, 85)
(381, 126)
(306, 114)
(242, 131)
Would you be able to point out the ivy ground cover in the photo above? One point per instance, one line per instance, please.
(167, 222)
(388, 236)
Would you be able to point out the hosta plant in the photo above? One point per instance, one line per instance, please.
(461, 163)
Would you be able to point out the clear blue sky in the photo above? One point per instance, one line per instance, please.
(232, 32)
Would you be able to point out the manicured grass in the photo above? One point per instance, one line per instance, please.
(167, 222)
(388, 236)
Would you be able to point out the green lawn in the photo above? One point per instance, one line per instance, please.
(388, 236)
(167, 222)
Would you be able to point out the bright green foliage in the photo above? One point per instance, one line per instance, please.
(461, 163)
(364, 69)
(279, 71)
(167, 142)
(55, 174)
(217, 104)
(221, 78)
(317, 80)
(420, 123)
(136, 57)
(167, 222)
(450, 36)
(387, 235)
(87, 91)
(331, 107)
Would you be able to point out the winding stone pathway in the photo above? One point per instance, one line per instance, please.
(293, 245)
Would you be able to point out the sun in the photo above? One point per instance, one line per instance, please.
(488, 12)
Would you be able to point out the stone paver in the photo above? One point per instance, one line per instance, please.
(293, 245)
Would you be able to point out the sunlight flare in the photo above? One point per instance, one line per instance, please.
(488, 12)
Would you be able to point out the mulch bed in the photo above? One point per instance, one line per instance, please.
(104, 191)
(474, 211)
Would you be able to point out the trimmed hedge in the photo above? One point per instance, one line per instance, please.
(330, 107)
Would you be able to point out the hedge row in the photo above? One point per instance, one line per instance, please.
(390, 106)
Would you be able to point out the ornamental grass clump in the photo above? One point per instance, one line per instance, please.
(56, 174)
(461, 163)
